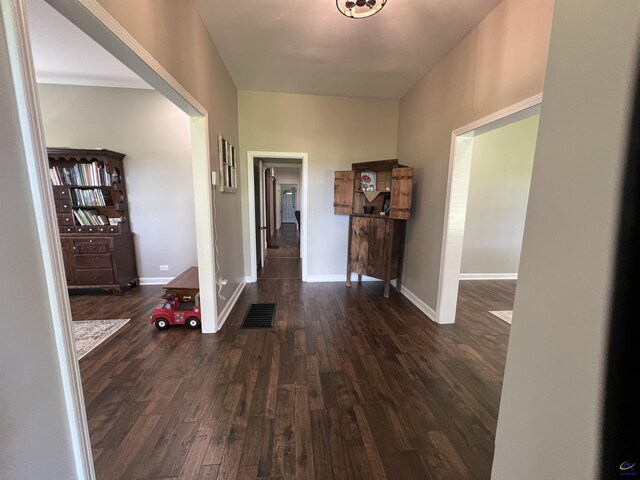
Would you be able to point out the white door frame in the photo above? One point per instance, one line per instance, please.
(263, 211)
(96, 22)
(456, 202)
(302, 201)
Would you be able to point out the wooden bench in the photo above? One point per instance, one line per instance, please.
(185, 285)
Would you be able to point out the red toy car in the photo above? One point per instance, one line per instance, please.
(172, 312)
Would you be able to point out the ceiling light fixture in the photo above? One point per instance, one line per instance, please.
(360, 8)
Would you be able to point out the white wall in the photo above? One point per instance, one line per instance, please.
(323, 127)
(550, 411)
(500, 63)
(154, 134)
(501, 165)
(288, 176)
(34, 426)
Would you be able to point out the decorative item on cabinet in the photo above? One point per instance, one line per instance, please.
(377, 197)
(91, 203)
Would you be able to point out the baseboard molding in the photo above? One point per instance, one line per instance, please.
(422, 306)
(222, 316)
(339, 278)
(154, 280)
(488, 276)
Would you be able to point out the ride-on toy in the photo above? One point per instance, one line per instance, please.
(172, 312)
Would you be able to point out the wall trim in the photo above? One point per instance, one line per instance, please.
(488, 276)
(154, 280)
(422, 306)
(63, 80)
(222, 316)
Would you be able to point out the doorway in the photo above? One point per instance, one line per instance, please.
(288, 200)
(277, 192)
(282, 254)
(22, 86)
(484, 246)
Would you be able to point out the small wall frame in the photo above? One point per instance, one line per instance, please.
(228, 158)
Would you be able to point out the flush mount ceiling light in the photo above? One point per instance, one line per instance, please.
(360, 8)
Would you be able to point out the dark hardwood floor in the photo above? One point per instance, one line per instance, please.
(347, 385)
(287, 238)
(283, 262)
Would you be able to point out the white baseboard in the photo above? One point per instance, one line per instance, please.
(154, 280)
(249, 280)
(339, 278)
(488, 276)
(422, 306)
(222, 316)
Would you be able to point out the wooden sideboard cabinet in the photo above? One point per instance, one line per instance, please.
(376, 242)
(89, 193)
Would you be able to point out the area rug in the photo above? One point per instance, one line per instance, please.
(91, 333)
(503, 315)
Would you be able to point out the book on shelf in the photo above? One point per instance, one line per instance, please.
(92, 174)
(90, 217)
(88, 198)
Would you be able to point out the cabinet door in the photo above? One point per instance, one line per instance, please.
(343, 192)
(401, 187)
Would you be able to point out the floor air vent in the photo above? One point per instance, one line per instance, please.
(260, 315)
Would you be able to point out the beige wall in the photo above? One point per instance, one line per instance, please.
(174, 34)
(550, 411)
(35, 438)
(154, 135)
(501, 165)
(501, 62)
(335, 132)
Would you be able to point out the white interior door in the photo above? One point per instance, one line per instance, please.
(288, 203)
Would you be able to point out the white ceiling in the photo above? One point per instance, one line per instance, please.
(269, 46)
(62, 53)
(309, 47)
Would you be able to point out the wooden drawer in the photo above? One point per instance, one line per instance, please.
(88, 229)
(67, 218)
(94, 276)
(92, 246)
(60, 191)
(63, 204)
(67, 229)
(93, 261)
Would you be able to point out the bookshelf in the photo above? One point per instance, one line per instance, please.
(90, 195)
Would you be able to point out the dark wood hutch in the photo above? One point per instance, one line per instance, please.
(90, 195)
(376, 242)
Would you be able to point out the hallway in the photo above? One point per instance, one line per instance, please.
(346, 385)
(284, 261)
